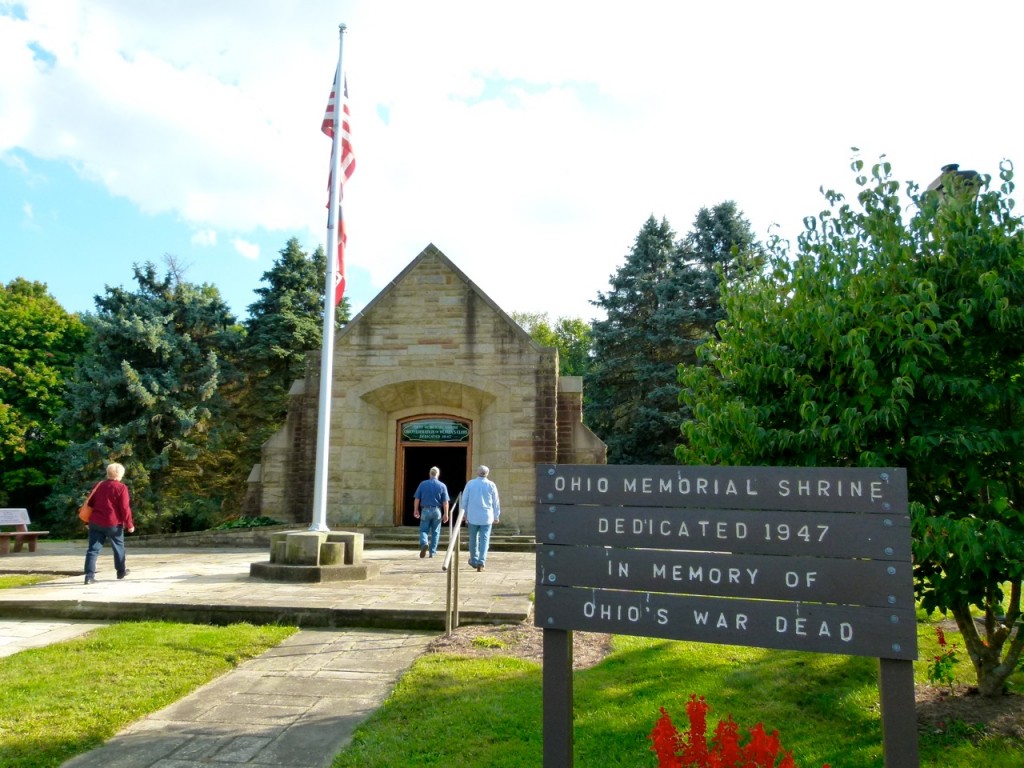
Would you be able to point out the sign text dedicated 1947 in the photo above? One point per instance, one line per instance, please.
(779, 557)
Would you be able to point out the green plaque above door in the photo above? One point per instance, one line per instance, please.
(435, 431)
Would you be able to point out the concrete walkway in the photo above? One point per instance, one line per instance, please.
(296, 705)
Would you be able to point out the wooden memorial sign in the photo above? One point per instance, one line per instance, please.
(812, 559)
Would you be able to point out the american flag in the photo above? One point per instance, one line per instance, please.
(347, 166)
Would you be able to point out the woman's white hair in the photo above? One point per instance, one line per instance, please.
(115, 471)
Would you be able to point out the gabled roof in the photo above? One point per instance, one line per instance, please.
(432, 251)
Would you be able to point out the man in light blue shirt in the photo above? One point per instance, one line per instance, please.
(480, 500)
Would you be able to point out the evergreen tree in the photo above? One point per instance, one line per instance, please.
(285, 323)
(147, 393)
(39, 343)
(631, 387)
(664, 304)
(721, 246)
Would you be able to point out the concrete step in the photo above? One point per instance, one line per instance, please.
(408, 538)
(404, 537)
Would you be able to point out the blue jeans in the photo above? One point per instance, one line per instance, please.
(99, 534)
(479, 541)
(430, 528)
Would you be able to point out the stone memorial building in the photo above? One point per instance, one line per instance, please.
(431, 373)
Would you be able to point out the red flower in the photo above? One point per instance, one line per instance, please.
(666, 740)
(761, 752)
(695, 750)
(727, 741)
(762, 749)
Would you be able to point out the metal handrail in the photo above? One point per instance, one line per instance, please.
(451, 609)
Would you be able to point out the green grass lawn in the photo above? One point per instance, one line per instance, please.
(487, 712)
(10, 581)
(484, 712)
(68, 698)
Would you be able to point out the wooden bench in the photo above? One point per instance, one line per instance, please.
(21, 534)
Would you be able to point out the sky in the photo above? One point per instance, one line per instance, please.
(529, 141)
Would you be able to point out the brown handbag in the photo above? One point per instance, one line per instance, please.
(85, 511)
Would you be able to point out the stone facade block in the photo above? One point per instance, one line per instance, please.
(332, 553)
(303, 548)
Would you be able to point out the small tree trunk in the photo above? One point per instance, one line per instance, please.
(985, 654)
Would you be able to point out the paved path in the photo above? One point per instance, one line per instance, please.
(19, 634)
(214, 586)
(296, 705)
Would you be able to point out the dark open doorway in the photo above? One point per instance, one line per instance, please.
(451, 460)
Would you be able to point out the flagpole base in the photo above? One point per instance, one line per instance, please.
(315, 556)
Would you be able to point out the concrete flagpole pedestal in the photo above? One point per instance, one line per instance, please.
(315, 556)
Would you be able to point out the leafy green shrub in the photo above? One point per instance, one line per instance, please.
(488, 642)
(246, 522)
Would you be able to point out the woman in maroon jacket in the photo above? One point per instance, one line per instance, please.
(111, 517)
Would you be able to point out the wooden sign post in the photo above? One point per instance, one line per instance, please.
(793, 558)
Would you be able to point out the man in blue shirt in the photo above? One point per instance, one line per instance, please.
(480, 500)
(430, 507)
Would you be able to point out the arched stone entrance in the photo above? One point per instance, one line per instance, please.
(424, 442)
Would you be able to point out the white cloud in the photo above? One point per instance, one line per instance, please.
(249, 250)
(529, 140)
(205, 238)
(13, 161)
(29, 220)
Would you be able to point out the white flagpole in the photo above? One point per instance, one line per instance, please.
(323, 423)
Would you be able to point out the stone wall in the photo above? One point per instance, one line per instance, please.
(577, 444)
(239, 538)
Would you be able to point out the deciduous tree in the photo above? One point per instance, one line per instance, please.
(569, 335)
(893, 337)
(39, 343)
